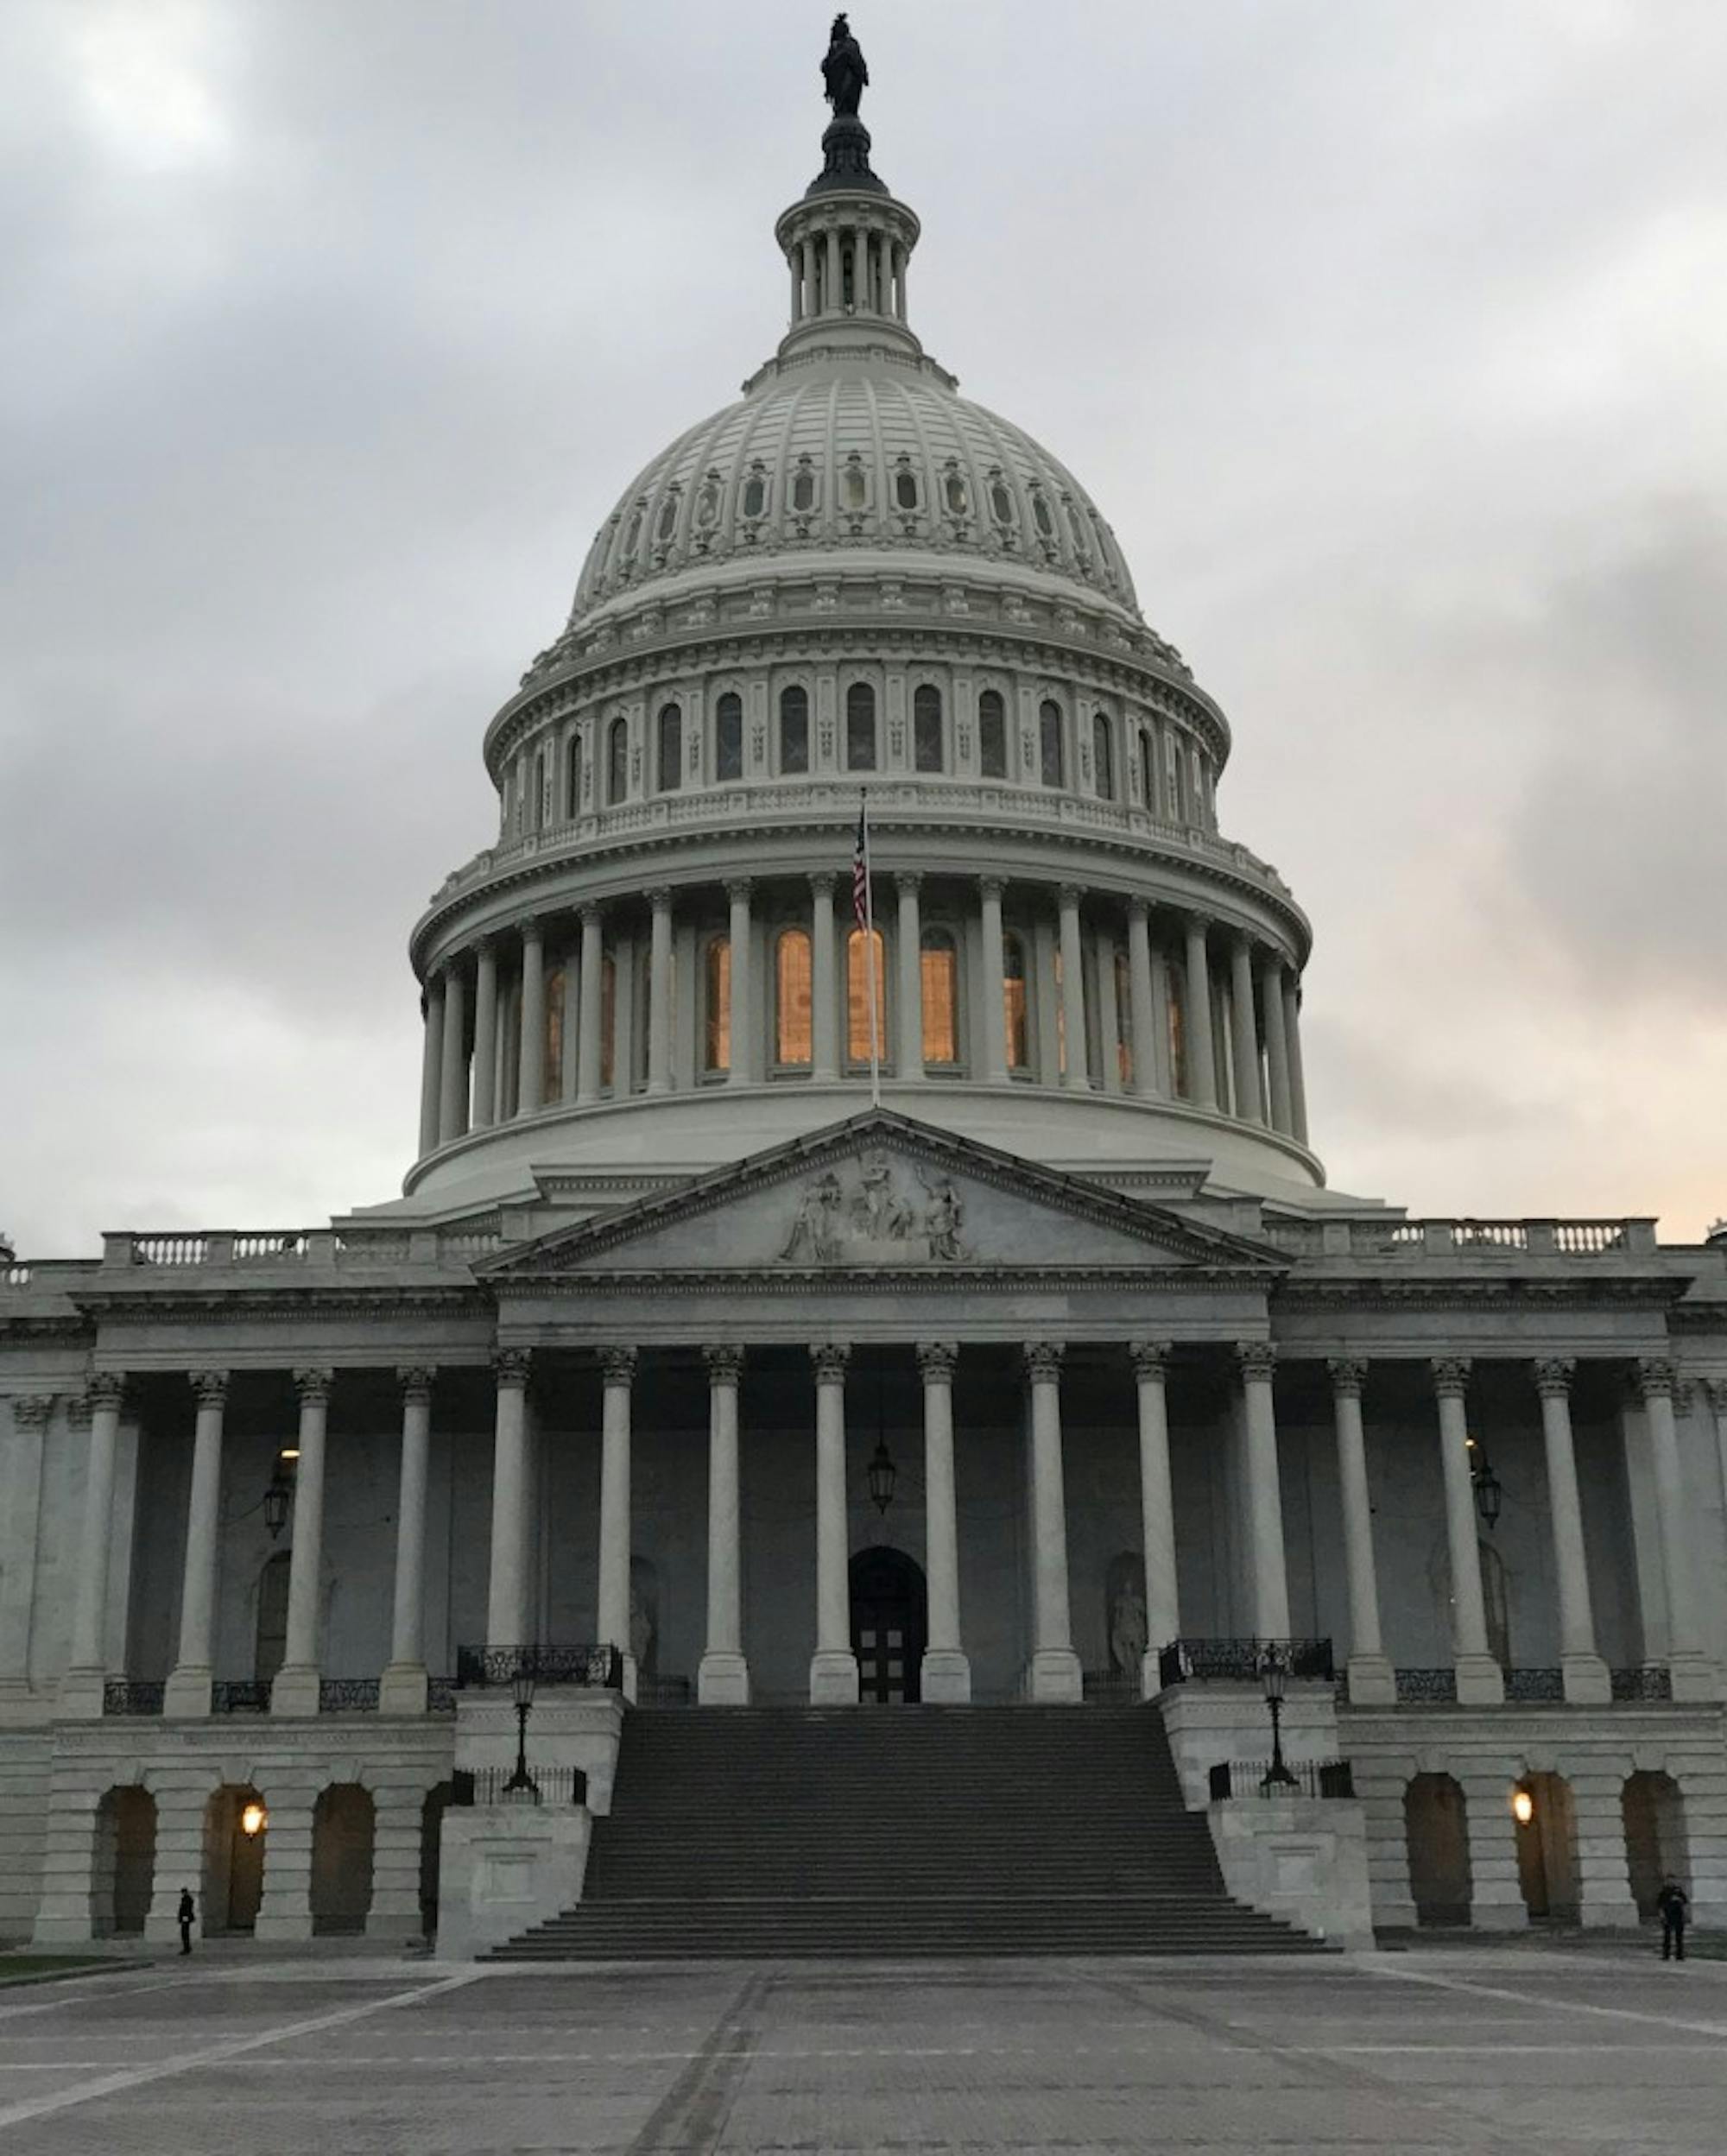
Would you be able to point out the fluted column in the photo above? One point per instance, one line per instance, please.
(295, 1688)
(1072, 989)
(723, 1679)
(80, 1689)
(588, 1043)
(1157, 1508)
(946, 1674)
(402, 1688)
(431, 1064)
(660, 992)
(188, 1686)
(833, 1668)
(1244, 1032)
(1054, 1665)
(1163, 1065)
(806, 253)
(1257, 1360)
(1146, 1077)
(909, 1057)
(485, 1036)
(1480, 1681)
(1292, 1036)
(507, 1589)
(1277, 1051)
(1586, 1682)
(835, 293)
(530, 1091)
(824, 993)
(453, 1100)
(1372, 1681)
(741, 1017)
(1694, 1676)
(995, 982)
(617, 1376)
(1196, 1007)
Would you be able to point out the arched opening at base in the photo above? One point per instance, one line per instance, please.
(889, 1625)
(1656, 1840)
(344, 1821)
(235, 1838)
(1436, 1830)
(1546, 1848)
(437, 1802)
(125, 1874)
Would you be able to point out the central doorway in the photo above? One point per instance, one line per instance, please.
(889, 1625)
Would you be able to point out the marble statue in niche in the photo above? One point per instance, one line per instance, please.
(1125, 1613)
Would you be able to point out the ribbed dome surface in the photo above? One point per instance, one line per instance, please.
(852, 452)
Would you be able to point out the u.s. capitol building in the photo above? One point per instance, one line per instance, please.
(1035, 1367)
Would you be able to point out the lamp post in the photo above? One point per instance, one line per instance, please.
(522, 1783)
(1274, 1674)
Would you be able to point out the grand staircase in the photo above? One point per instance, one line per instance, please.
(896, 1831)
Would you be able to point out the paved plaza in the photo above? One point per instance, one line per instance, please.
(1522, 2050)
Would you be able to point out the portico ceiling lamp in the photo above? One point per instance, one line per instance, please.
(278, 1497)
(1522, 1806)
(253, 1819)
(881, 1475)
(1490, 1491)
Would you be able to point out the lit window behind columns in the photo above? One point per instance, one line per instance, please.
(858, 999)
(717, 1018)
(1013, 1012)
(793, 1024)
(941, 973)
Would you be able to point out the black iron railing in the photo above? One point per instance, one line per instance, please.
(133, 1695)
(239, 1695)
(1531, 1687)
(1649, 1681)
(440, 1695)
(599, 1667)
(1311, 1778)
(1115, 1687)
(1243, 1661)
(347, 1695)
(1428, 1687)
(490, 1785)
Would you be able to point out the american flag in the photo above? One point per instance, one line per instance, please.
(860, 869)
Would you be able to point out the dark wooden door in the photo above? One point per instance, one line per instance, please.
(889, 1625)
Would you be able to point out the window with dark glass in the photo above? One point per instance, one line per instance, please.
(728, 736)
(1148, 770)
(1014, 1011)
(1104, 757)
(794, 1033)
(927, 754)
(616, 762)
(607, 1019)
(1124, 1054)
(860, 727)
(671, 748)
(906, 488)
(793, 730)
(536, 807)
(717, 996)
(754, 495)
(1001, 503)
(940, 972)
(572, 777)
(992, 734)
(1054, 763)
(803, 488)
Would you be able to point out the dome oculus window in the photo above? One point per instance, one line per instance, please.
(728, 737)
(927, 744)
(671, 748)
(860, 727)
(938, 971)
(793, 1022)
(992, 734)
(793, 731)
(1053, 758)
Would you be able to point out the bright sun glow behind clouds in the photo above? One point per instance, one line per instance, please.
(147, 73)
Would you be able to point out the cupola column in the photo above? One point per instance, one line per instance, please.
(1074, 1073)
(588, 1044)
(833, 1670)
(531, 1066)
(1292, 1035)
(947, 1673)
(188, 1687)
(402, 1688)
(740, 1020)
(1244, 1032)
(1277, 1051)
(1372, 1682)
(909, 1058)
(1054, 1665)
(431, 1064)
(995, 984)
(835, 293)
(806, 256)
(723, 1679)
(295, 1688)
(452, 1108)
(1146, 1077)
(660, 992)
(485, 1036)
(794, 262)
(1163, 1059)
(570, 1033)
(1256, 1359)
(1157, 1508)
(823, 993)
(1480, 1681)
(1196, 1036)
(617, 1368)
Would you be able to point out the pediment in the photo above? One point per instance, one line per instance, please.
(881, 1192)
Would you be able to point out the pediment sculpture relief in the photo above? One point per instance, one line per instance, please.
(862, 1213)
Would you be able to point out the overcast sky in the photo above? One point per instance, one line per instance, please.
(1391, 336)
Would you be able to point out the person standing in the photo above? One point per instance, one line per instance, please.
(1674, 1905)
(188, 1915)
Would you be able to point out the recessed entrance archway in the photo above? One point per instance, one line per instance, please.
(1654, 1836)
(125, 1861)
(234, 1858)
(1436, 1829)
(343, 1823)
(889, 1625)
(1546, 1849)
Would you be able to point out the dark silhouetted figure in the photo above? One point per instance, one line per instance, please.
(1674, 1905)
(188, 1914)
(844, 71)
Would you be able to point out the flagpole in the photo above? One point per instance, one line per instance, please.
(870, 949)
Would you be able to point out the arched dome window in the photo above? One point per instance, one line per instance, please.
(1147, 771)
(905, 486)
(1042, 514)
(1001, 501)
(728, 737)
(755, 501)
(803, 487)
(671, 748)
(857, 997)
(860, 727)
(854, 484)
(1124, 1054)
(992, 734)
(792, 1021)
(1053, 761)
(793, 731)
(957, 494)
(717, 1004)
(927, 744)
(572, 777)
(1014, 1011)
(1103, 757)
(616, 762)
(940, 972)
(607, 1020)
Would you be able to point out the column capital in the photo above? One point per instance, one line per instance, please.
(830, 1358)
(936, 1359)
(1715, 1392)
(1138, 908)
(908, 882)
(1198, 924)
(210, 1387)
(1654, 1377)
(1069, 894)
(617, 1365)
(660, 898)
(510, 1366)
(531, 928)
(1349, 1375)
(33, 1411)
(485, 945)
(725, 1364)
(1451, 1375)
(1043, 1361)
(1255, 1360)
(1150, 1358)
(589, 913)
(992, 886)
(738, 888)
(416, 1380)
(78, 1411)
(1553, 1375)
(105, 1389)
(821, 883)
(313, 1386)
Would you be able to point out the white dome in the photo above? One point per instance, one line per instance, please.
(870, 450)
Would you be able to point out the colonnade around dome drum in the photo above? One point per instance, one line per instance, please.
(1001, 982)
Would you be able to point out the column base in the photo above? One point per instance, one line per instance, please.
(946, 1677)
(833, 1678)
(1480, 1681)
(1372, 1680)
(1618, 1913)
(401, 1689)
(1055, 1675)
(80, 1696)
(1695, 1679)
(282, 1927)
(723, 1680)
(1498, 1916)
(187, 1692)
(294, 1690)
(1586, 1683)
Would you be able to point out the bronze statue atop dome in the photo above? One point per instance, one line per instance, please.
(844, 70)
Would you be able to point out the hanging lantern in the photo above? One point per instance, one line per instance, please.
(881, 1475)
(277, 1499)
(1490, 1491)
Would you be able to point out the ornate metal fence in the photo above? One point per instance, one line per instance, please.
(601, 1667)
(239, 1695)
(1428, 1687)
(348, 1695)
(550, 1785)
(1529, 1687)
(133, 1695)
(1647, 1682)
(1243, 1661)
(1252, 1778)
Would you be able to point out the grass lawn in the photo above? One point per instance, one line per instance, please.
(32, 1969)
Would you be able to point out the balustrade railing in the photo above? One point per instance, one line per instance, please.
(1116, 1687)
(1243, 1661)
(1533, 1687)
(601, 1667)
(232, 1695)
(440, 1695)
(133, 1695)
(1428, 1687)
(1254, 1778)
(490, 1785)
(1649, 1681)
(348, 1695)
